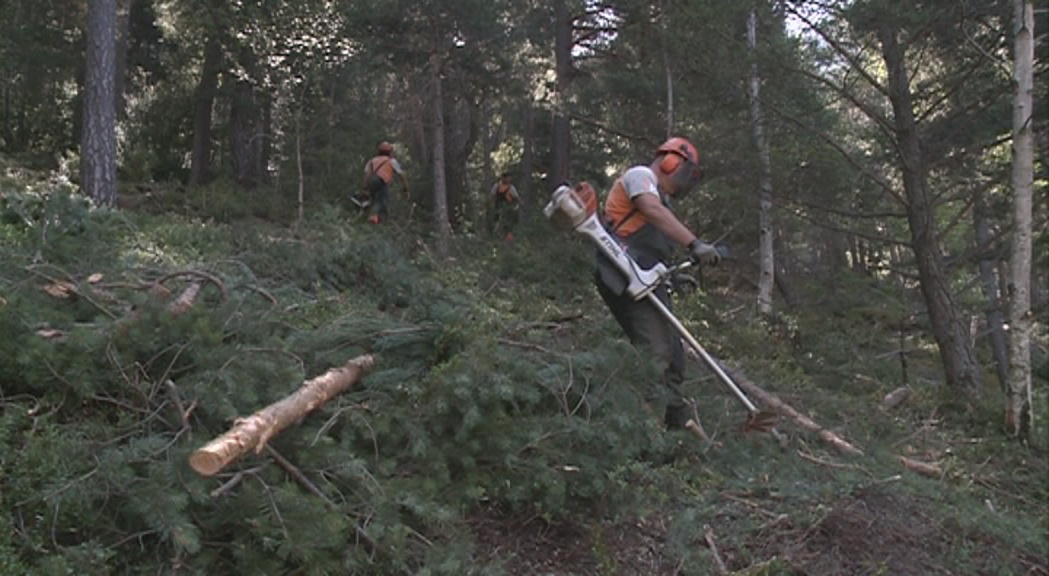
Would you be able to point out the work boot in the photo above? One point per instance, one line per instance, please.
(676, 417)
(374, 218)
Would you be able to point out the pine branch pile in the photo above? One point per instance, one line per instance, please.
(131, 342)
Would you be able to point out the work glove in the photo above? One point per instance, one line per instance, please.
(702, 253)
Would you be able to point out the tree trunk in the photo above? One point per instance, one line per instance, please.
(527, 161)
(667, 69)
(440, 184)
(242, 133)
(243, 124)
(960, 364)
(204, 101)
(1018, 402)
(561, 130)
(989, 281)
(766, 257)
(98, 160)
(123, 31)
(252, 433)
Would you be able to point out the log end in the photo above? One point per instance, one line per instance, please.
(365, 362)
(205, 463)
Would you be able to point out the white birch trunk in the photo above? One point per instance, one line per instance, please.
(766, 257)
(1018, 399)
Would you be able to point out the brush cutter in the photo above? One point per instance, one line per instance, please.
(569, 210)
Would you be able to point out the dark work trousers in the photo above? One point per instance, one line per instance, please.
(380, 198)
(505, 216)
(655, 337)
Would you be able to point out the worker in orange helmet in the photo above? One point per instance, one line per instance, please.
(379, 173)
(637, 213)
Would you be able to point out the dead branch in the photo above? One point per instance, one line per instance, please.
(312, 488)
(821, 461)
(253, 432)
(233, 481)
(200, 276)
(298, 476)
(923, 468)
(185, 300)
(708, 537)
(772, 401)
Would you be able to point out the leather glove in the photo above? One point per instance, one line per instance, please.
(702, 253)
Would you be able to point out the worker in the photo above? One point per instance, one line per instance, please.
(505, 205)
(379, 173)
(637, 212)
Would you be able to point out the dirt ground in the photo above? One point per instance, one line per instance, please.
(864, 534)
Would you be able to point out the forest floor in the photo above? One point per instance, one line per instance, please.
(874, 530)
(743, 504)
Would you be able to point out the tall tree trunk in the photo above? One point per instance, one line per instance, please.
(98, 161)
(244, 123)
(527, 160)
(264, 139)
(667, 69)
(440, 184)
(989, 281)
(488, 145)
(204, 102)
(1018, 402)
(960, 364)
(123, 31)
(242, 133)
(766, 254)
(562, 135)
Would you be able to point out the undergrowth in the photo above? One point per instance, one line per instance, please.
(501, 384)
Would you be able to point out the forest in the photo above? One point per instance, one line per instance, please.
(221, 354)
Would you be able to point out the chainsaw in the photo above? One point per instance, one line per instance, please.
(570, 210)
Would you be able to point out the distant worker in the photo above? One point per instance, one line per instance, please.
(378, 175)
(506, 202)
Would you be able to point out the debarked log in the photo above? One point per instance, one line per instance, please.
(252, 433)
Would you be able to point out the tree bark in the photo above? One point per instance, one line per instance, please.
(252, 433)
(123, 32)
(766, 253)
(989, 281)
(960, 364)
(1018, 401)
(527, 160)
(204, 102)
(561, 130)
(98, 149)
(440, 184)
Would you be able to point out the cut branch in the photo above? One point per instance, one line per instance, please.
(252, 433)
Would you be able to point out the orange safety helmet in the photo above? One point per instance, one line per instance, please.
(385, 148)
(681, 162)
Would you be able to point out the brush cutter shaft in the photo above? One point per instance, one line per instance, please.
(707, 358)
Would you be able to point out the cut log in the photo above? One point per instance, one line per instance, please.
(772, 401)
(252, 433)
(895, 398)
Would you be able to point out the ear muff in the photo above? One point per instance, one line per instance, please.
(670, 162)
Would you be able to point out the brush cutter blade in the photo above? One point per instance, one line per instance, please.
(760, 421)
